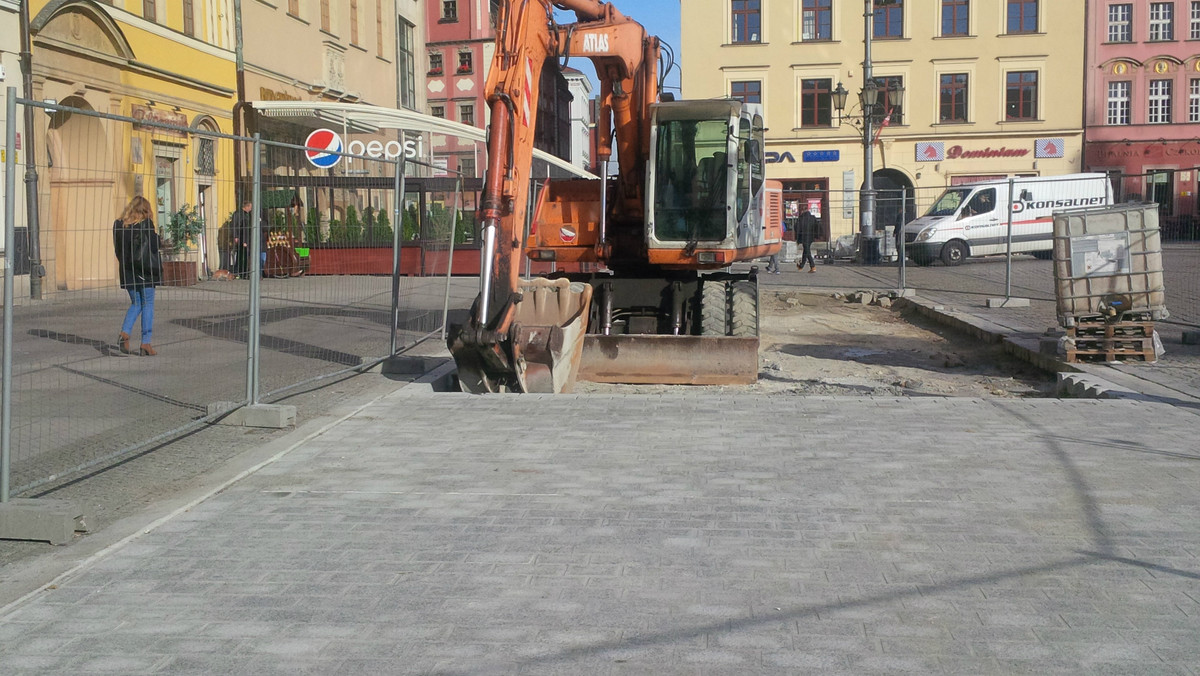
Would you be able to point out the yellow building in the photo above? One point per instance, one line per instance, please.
(158, 61)
(990, 89)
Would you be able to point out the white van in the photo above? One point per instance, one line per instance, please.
(971, 220)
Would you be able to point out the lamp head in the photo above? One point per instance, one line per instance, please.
(869, 94)
(839, 97)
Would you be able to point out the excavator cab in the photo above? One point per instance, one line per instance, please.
(705, 185)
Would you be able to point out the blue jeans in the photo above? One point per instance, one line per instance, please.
(141, 302)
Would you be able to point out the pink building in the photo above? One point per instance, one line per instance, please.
(458, 53)
(1143, 94)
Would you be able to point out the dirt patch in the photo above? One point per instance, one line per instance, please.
(816, 344)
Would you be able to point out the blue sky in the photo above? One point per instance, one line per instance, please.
(660, 17)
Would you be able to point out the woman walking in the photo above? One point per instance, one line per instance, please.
(140, 263)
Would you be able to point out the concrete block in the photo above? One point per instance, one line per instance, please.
(409, 366)
(1008, 302)
(274, 416)
(41, 519)
(1191, 337)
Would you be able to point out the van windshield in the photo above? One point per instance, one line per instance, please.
(949, 202)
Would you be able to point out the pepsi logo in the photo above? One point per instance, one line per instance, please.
(322, 148)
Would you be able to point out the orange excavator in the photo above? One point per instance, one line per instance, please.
(690, 199)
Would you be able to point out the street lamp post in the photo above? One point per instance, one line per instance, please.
(872, 113)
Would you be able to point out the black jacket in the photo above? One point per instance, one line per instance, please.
(806, 228)
(127, 243)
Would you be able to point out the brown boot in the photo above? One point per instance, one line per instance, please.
(148, 350)
(123, 342)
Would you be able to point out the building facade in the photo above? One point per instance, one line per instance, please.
(1143, 101)
(580, 89)
(151, 60)
(353, 51)
(990, 89)
(458, 54)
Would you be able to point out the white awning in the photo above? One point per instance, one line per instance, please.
(361, 118)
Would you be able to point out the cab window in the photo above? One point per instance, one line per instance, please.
(983, 202)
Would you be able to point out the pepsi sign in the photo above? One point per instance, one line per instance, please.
(323, 148)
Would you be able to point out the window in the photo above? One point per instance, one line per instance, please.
(1020, 97)
(437, 111)
(1022, 16)
(1194, 100)
(1118, 103)
(466, 166)
(449, 10)
(189, 18)
(816, 103)
(748, 91)
(817, 20)
(406, 64)
(1120, 23)
(150, 10)
(354, 22)
(435, 63)
(747, 20)
(294, 7)
(206, 163)
(889, 19)
(952, 98)
(895, 114)
(1162, 21)
(1194, 23)
(464, 62)
(1160, 102)
(954, 17)
(325, 25)
(466, 114)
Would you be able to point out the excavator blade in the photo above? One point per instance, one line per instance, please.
(670, 360)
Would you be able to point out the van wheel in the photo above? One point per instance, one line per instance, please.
(954, 252)
(1043, 255)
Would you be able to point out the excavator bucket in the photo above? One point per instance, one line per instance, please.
(671, 360)
(541, 349)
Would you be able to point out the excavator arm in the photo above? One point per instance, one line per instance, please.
(527, 335)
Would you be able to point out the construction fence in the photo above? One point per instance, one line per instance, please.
(347, 260)
(1002, 273)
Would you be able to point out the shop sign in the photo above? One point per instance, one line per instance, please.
(272, 95)
(323, 148)
(958, 153)
(772, 157)
(931, 151)
(1048, 147)
(155, 116)
(821, 155)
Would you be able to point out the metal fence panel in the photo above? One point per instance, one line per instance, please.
(78, 400)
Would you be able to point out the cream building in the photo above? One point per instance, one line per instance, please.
(990, 89)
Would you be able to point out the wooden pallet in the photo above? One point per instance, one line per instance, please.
(1096, 330)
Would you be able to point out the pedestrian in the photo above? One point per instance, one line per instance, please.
(139, 262)
(806, 232)
(225, 245)
(773, 262)
(242, 228)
